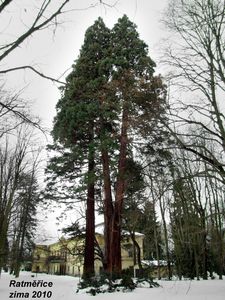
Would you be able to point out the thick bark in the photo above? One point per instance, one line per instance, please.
(108, 212)
(89, 269)
(120, 190)
(116, 242)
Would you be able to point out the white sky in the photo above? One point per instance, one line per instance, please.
(52, 54)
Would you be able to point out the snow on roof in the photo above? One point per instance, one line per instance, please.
(47, 241)
(154, 263)
(99, 229)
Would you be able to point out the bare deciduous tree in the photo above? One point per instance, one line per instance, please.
(15, 161)
(46, 14)
(198, 62)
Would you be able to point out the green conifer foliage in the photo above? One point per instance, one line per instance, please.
(110, 94)
(76, 122)
(78, 107)
(141, 98)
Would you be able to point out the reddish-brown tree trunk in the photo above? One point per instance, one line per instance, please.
(89, 269)
(116, 241)
(108, 212)
(120, 190)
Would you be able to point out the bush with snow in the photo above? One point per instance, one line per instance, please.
(103, 284)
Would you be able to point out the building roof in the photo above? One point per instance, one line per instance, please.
(99, 229)
(154, 263)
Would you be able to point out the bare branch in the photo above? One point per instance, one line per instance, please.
(34, 70)
(34, 27)
(4, 4)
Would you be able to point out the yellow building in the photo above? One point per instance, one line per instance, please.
(65, 257)
(40, 259)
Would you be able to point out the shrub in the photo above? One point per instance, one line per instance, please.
(127, 283)
(103, 284)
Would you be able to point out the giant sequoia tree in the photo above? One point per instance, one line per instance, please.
(75, 125)
(141, 98)
(111, 99)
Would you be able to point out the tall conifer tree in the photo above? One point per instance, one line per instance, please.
(77, 116)
(110, 93)
(141, 98)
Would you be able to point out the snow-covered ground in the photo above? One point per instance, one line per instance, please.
(64, 288)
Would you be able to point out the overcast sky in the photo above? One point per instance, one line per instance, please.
(54, 53)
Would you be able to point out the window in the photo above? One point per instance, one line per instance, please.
(130, 252)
